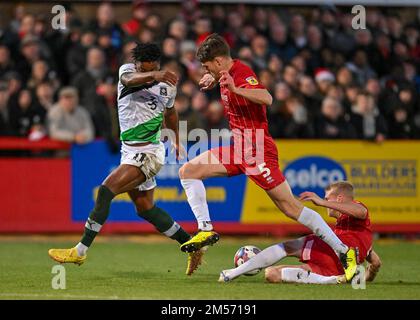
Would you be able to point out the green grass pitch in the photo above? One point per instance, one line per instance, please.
(121, 268)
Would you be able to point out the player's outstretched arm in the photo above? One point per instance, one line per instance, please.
(257, 95)
(349, 208)
(135, 79)
(374, 264)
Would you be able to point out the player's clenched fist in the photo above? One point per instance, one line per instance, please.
(166, 77)
(207, 82)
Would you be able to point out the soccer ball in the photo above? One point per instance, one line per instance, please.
(243, 255)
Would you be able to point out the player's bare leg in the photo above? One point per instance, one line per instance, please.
(122, 179)
(299, 274)
(163, 222)
(192, 173)
(265, 258)
(283, 198)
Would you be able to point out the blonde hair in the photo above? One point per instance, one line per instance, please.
(341, 187)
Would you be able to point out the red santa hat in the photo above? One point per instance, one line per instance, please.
(323, 74)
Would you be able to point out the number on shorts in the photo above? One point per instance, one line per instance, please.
(137, 155)
(265, 171)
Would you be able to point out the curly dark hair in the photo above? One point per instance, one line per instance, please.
(146, 52)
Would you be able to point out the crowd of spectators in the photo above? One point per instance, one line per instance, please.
(328, 80)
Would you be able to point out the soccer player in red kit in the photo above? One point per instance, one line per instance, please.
(321, 265)
(253, 152)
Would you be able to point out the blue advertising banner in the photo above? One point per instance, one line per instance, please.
(93, 162)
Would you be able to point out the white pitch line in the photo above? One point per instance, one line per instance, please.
(36, 295)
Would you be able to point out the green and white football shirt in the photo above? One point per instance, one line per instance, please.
(140, 109)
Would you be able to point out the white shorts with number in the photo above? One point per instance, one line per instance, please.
(149, 159)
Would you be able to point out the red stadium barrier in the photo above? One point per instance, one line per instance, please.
(15, 143)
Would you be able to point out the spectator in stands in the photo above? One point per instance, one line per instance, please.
(19, 13)
(331, 123)
(310, 95)
(127, 55)
(401, 126)
(105, 22)
(324, 79)
(6, 64)
(407, 99)
(25, 116)
(5, 128)
(14, 83)
(44, 94)
(87, 80)
(275, 66)
(313, 47)
(202, 29)
(360, 67)
(140, 13)
(104, 113)
(291, 76)
(214, 117)
(178, 30)
(104, 42)
(69, 122)
(76, 57)
(189, 61)
(344, 77)
(31, 52)
(170, 49)
(274, 113)
(259, 47)
(367, 120)
(298, 31)
(41, 72)
(245, 37)
(154, 23)
(280, 44)
(293, 120)
(185, 112)
(8, 36)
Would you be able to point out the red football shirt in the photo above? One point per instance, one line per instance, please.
(355, 232)
(244, 114)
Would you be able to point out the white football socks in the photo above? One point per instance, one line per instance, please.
(265, 258)
(81, 249)
(314, 221)
(298, 275)
(196, 195)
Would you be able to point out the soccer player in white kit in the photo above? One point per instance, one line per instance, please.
(146, 98)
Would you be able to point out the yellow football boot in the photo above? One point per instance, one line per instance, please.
(201, 239)
(66, 256)
(349, 262)
(194, 260)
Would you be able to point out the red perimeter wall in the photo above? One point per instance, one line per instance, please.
(35, 194)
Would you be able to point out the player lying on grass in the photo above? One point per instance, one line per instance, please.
(253, 152)
(321, 265)
(145, 99)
